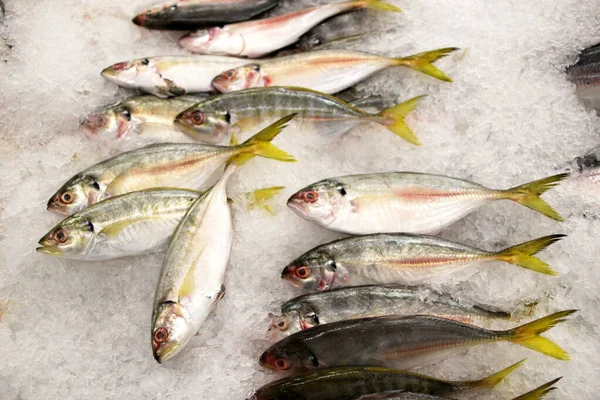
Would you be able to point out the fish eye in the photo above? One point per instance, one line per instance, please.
(100, 120)
(229, 74)
(302, 272)
(161, 335)
(126, 114)
(96, 185)
(67, 197)
(60, 236)
(145, 61)
(310, 197)
(198, 117)
(282, 364)
(283, 324)
(256, 68)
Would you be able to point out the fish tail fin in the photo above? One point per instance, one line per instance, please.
(528, 335)
(258, 198)
(523, 254)
(260, 145)
(394, 119)
(423, 62)
(377, 5)
(539, 392)
(493, 380)
(529, 195)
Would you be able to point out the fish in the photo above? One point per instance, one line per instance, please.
(237, 111)
(194, 14)
(340, 27)
(132, 224)
(409, 202)
(349, 382)
(144, 119)
(176, 165)
(585, 74)
(535, 394)
(260, 37)
(170, 76)
(399, 342)
(341, 304)
(401, 258)
(192, 276)
(327, 71)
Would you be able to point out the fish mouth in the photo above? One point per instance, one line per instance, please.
(57, 209)
(139, 19)
(296, 205)
(48, 250)
(219, 84)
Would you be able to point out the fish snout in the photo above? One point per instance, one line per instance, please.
(139, 19)
(54, 205)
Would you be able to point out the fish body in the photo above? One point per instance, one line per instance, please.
(327, 71)
(131, 224)
(337, 28)
(170, 76)
(398, 342)
(585, 74)
(406, 201)
(218, 115)
(400, 258)
(356, 302)
(259, 37)
(194, 14)
(143, 119)
(350, 382)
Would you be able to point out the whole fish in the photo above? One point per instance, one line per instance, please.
(349, 382)
(193, 14)
(535, 394)
(402, 258)
(178, 165)
(399, 342)
(170, 76)
(143, 119)
(215, 117)
(409, 202)
(585, 74)
(327, 71)
(131, 224)
(259, 37)
(193, 272)
(348, 303)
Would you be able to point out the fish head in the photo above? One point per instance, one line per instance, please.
(321, 202)
(217, 41)
(245, 77)
(206, 126)
(107, 124)
(289, 356)
(78, 193)
(314, 271)
(170, 331)
(160, 15)
(133, 74)
(285, 325)
(72, 238)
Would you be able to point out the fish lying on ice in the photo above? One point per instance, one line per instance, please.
(399, 342)
(356, 302)
(585, 74)
(408, 202)
(260, 37)
(193, 272)
(194, 14)
(215, 117)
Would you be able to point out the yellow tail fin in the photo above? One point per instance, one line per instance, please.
(259, 144)
(422, 62)
(377, 5)
(258, 198)
(522, 254)
(394, 119)
(493, 380)
(539, 392)
(528, 335)
(529, 195)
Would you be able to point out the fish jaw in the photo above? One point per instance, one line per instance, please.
(48, 250)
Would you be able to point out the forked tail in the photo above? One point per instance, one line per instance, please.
(539, 392)
(523, 254)
(423, 62)
(529, 195)
(393, 119)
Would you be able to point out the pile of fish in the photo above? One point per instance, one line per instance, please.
(361, 324)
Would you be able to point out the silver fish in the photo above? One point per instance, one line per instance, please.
(585, 74)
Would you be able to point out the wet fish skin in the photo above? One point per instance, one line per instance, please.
(260, 37)
(194, 14)
(356, 302)
(349, 382)
(408, 202)
(236, 111)
(169, 76)
(327, 71)
(338, 27)
(144, 119)
(585, 74)
(398, 342)
(401, 258)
